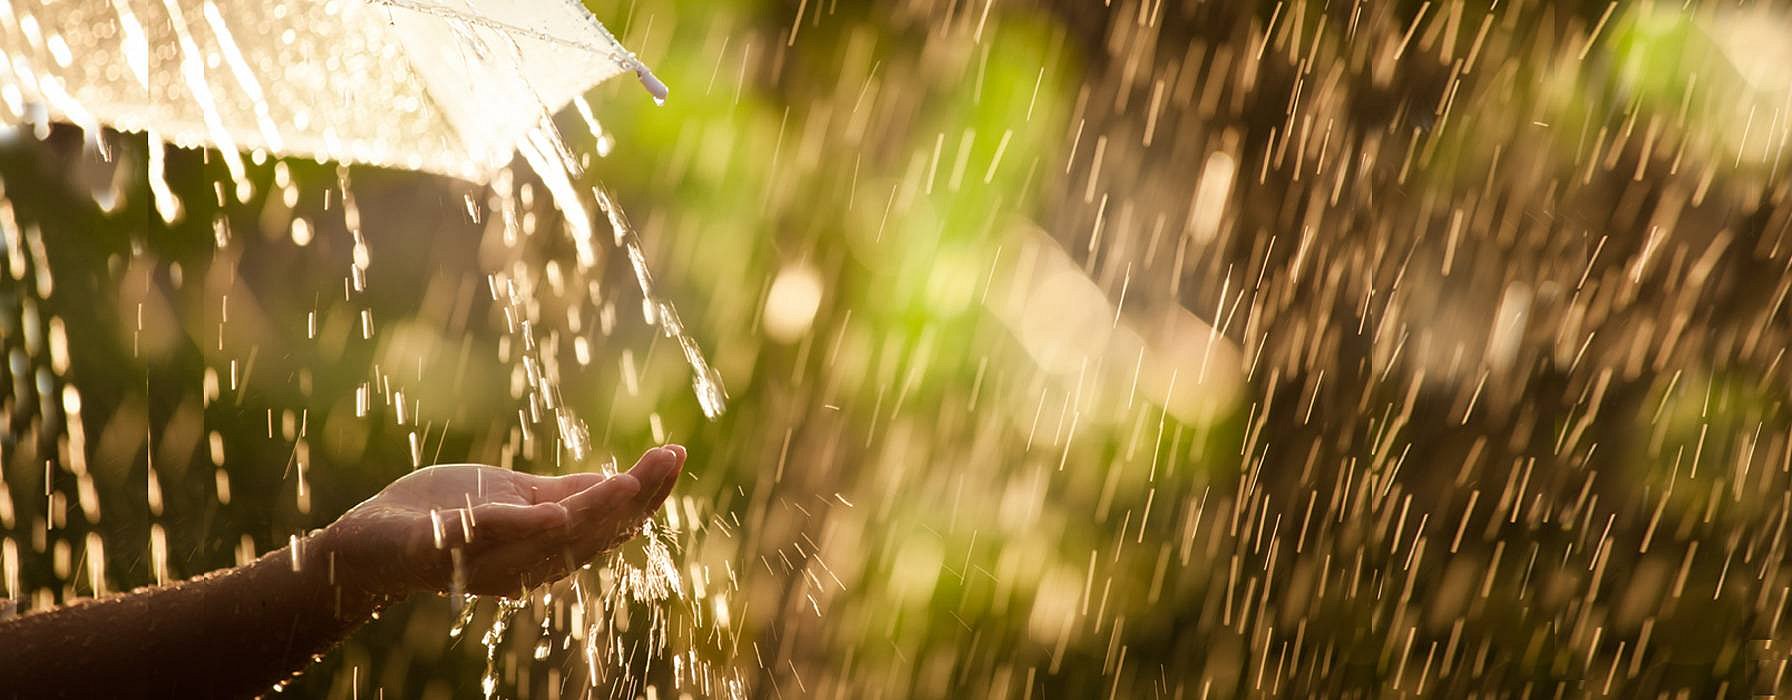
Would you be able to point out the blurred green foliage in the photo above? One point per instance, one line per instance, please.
(904, 498)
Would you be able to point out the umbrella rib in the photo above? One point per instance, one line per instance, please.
(427, 94)
(621, 57)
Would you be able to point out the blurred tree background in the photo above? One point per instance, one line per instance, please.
(1140, 349)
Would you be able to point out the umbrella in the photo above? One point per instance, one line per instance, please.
(441, 86)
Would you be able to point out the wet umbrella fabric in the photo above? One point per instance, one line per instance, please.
(443, 86)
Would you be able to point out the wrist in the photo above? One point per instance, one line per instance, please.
(351, 587)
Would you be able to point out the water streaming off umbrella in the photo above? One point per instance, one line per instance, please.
(1132, 349)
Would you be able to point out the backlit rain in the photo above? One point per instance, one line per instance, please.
(1134, 349)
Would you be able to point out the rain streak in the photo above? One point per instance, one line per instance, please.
(1136, 349)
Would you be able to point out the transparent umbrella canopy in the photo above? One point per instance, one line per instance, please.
(442, 86)
(453, 87)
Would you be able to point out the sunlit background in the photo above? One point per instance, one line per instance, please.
(1131, 349)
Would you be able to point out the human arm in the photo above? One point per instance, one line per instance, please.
(237, 632)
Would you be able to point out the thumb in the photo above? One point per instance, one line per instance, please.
(606, 514)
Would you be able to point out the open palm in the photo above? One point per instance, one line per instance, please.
(492, 531)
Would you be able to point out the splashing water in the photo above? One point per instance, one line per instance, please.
(210, 56)
(467, 608)
(704, 380)
(507, 609)
(544, 641)
(547, 155)
(1318, 412)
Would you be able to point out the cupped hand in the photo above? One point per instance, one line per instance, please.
(490, 531)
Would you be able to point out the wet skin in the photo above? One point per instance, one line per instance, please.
(237, 632)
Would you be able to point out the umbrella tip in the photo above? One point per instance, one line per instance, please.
(653, 84)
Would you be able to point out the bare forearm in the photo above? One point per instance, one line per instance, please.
(232, 633)
(236, 633)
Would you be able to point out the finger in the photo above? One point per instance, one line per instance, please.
(613, 523)
(514, 567)
(658, 473)
(620, 492)
(590, 505)
(600, 512)
(555, 488)
(665, 490)
(491, 524)
(543, 489)
(506, 521)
